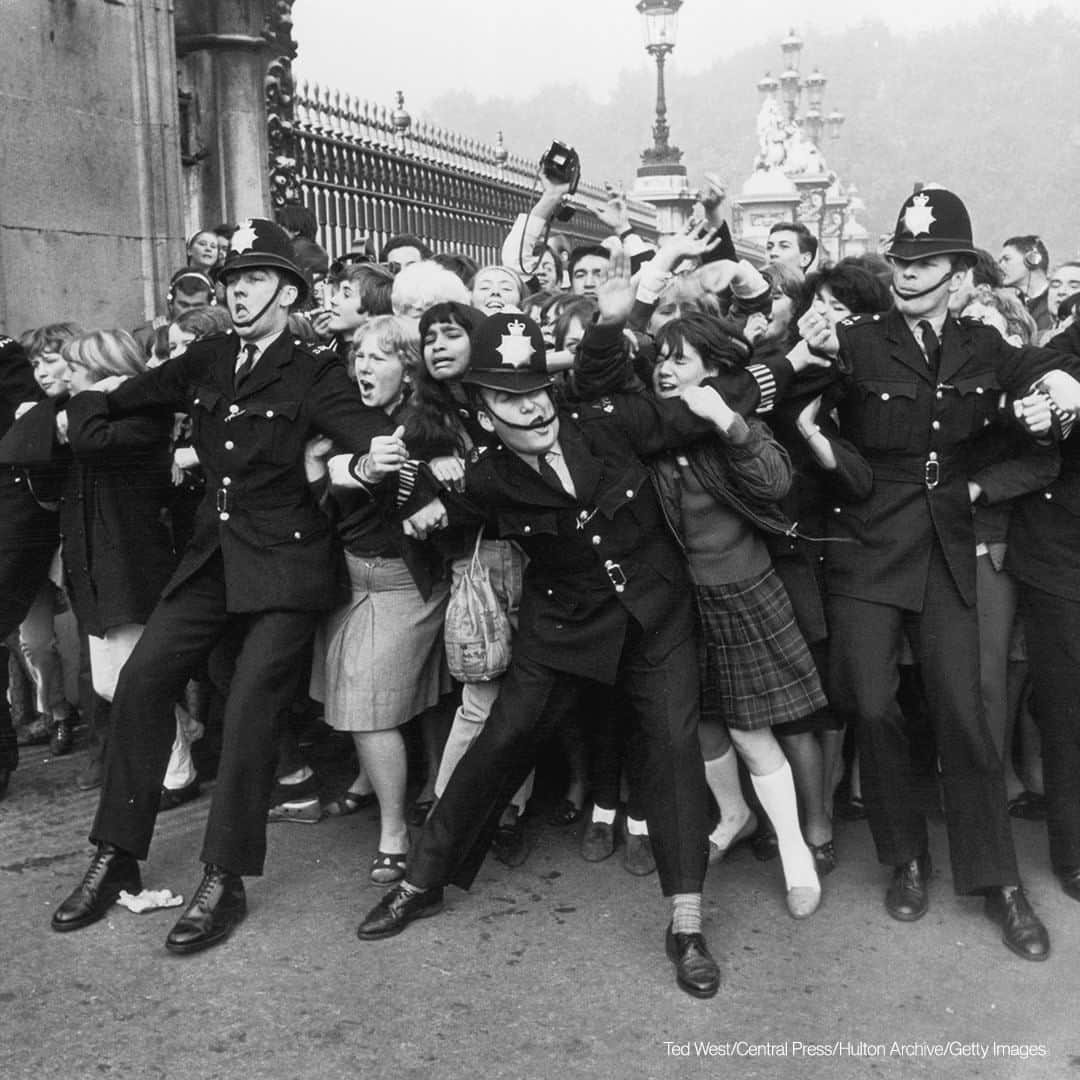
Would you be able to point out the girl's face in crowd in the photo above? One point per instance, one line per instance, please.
(344, 306)
(203, 251)
(446, 351)
(779, 316)
(829, 308)
(989, 316)
(179, 340)
(51, 373)
(79, 378)
(574, 333)
(379, 374)
(674, 373)
(665, 311)
(547, 271)
(495, 291)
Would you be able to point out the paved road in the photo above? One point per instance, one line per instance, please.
(551, 971)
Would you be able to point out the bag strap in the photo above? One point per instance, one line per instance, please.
(476, 565)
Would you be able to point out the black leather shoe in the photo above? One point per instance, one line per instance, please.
(511, 843)
(218, 905)
(908, 896)
(171, 798)
(1070, 881)
(61, 737)
(1021, 929)
(397, 908)
(597, 841)
(111, 872)
(696, 971)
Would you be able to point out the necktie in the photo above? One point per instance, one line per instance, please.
(931, 345)
(245, 368)
(549, 473)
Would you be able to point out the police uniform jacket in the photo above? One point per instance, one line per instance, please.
(278, 548)
(601, 557)
(914, 427)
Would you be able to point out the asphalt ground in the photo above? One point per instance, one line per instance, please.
(554, 970)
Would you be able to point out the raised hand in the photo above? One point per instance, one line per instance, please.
(615, 296)
(819, 333)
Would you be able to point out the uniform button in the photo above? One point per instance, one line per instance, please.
(885, 396)
(573, 416)
(978, 389)
(196, 401)
(629, 493)
(596, 539)
(226, 481)
(836, 509)
(296, 535)
(933, 455)
(223, 516)
(229, 444)
(269, 412)
(527, 529)
(936, 425)
(550, 592)
(1048, 494)
(940, 393)
(232, 408)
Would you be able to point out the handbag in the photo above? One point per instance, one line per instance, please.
(477, 631)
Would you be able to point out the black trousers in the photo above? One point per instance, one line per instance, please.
(1052, 631)
(662, 700)
(864, 659)
(182, 630)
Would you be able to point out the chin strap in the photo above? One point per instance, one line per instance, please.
(924, 292)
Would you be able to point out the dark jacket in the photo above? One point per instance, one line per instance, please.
(278, 547)
(114, 481)
(915, 429)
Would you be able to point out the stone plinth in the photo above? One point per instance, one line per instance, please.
(767, 198)
(666, 187)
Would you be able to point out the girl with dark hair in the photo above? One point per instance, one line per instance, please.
(756, 668)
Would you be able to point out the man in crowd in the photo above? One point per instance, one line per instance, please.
(792, 244)
(404, 250)
(1025, 264)
(189, 290)
(261, 565)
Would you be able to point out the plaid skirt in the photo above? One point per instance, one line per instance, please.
(756, 668)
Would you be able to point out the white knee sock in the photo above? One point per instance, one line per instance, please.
(722, 776)
(776, 790)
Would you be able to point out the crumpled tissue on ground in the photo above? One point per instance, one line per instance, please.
(149, 900)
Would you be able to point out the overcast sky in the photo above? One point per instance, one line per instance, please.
(371, 48)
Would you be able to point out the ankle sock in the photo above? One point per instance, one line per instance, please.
(636, 826)
(686, 913)
(776, 790)
(604, 817)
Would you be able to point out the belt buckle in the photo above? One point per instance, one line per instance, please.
(615, 575)
(932, 473)
(223, 500)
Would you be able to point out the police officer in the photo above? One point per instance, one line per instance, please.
(261, 563)
(919, 384)
(605, 601)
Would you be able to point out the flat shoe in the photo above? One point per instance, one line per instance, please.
(386, 868)
(171, 798)
(350, 803)
(824, 857)
(716, 852)
(566, 813)
(1028, 806)
(803, 901)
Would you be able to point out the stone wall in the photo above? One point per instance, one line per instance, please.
(91, 221)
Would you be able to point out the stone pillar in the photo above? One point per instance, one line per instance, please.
(90, 201)
(223, 53)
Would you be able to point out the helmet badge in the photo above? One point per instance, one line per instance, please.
(919, 216)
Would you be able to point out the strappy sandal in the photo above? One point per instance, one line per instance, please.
(386, 868)
(824, 857)
(349, 803)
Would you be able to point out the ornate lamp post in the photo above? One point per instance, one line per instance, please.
(660, 23)
(661, 178)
